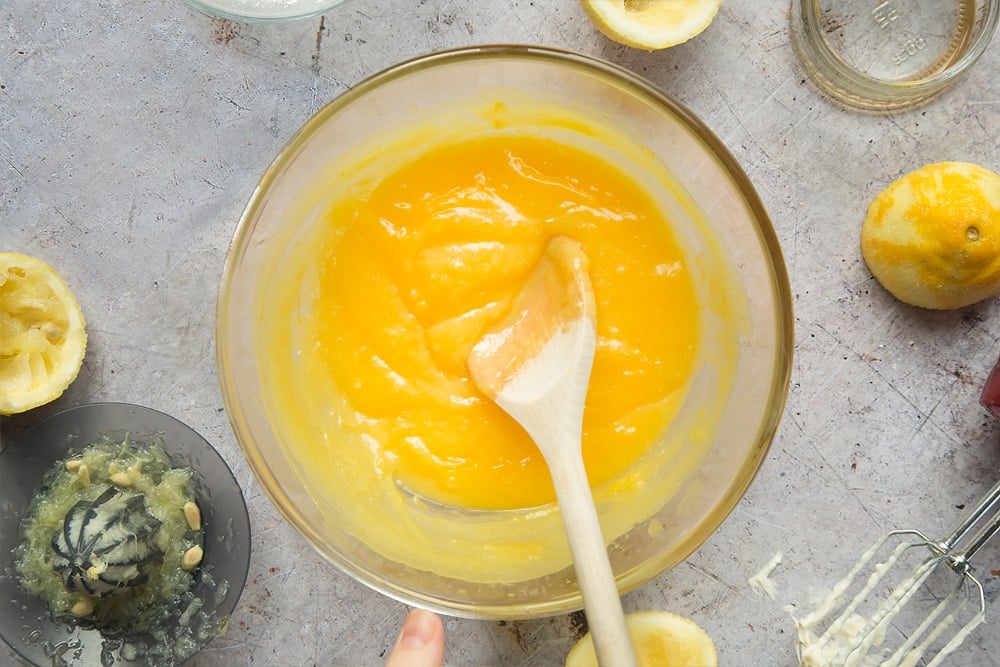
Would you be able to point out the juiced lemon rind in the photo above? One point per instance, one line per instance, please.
(660, 639)
(43, 335)
(651, 24)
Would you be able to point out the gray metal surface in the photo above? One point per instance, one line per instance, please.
(132, 133)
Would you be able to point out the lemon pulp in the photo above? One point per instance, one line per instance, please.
(147, 607)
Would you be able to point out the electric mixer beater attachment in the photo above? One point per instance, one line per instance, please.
(851, 638)
(843, 631)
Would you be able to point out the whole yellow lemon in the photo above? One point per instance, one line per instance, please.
(932, 237)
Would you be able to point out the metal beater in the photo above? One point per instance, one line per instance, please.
(853, 639)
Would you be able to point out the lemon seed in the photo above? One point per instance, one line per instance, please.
(192, 557)
(192, 514)
(83, 607)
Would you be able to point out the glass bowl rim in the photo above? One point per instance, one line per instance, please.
(207, 7)
(697, 130)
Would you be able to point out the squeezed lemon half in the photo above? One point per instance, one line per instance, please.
(651, 24)
(932, 237)
(660, 639)
(43, 334)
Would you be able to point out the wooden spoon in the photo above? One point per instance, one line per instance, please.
(536, 366)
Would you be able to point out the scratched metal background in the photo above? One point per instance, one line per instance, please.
(132, 133)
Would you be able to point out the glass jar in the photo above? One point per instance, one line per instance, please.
(889, 54)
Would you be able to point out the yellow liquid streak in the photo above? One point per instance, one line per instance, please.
(371, 311)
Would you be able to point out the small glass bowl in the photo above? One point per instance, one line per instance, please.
(881, 55)
(264, 11)
(25, 623)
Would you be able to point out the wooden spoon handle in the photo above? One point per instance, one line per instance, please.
(590, 556)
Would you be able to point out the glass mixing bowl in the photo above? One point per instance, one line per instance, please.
(711, 204)
(25, 623)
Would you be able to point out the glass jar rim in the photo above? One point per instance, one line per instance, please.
(853, 87)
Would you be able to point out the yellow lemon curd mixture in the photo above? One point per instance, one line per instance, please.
(371, 312)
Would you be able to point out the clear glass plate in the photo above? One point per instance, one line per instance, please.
(25, 623)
